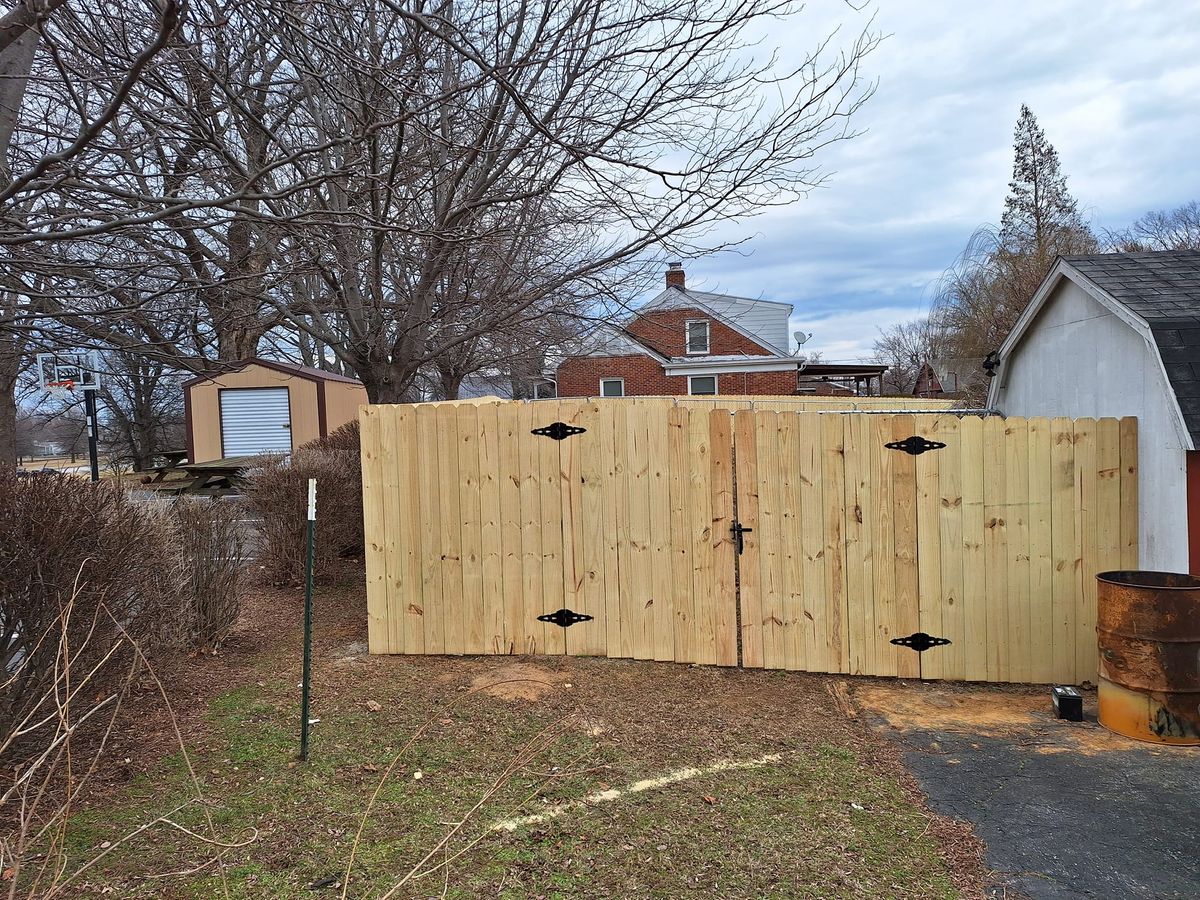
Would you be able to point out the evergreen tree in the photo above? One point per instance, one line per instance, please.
(983, 295)
(1041, 218)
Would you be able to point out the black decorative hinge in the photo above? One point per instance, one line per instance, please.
(920, 641)
(739, 530)
(564, 617)
(558, 431)
(915, 445)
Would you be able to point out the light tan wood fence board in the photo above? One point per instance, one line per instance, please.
(930, 601)
(974, 558)
(512, 593)
(379, 637)
(1041, 553)
(475, 527)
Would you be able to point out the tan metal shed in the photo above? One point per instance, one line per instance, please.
(261, 406)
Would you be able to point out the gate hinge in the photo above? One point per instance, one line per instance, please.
(558, 431)
(565, 617)
(738, 530)
(920, 641)
(915, 445)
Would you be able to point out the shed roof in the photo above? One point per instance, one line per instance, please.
(288, 368)
(1155, 285)
(1164, 289)
(1157, 293)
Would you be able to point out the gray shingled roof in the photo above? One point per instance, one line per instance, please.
(1164, 289)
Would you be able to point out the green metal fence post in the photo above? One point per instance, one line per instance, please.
(308, 613)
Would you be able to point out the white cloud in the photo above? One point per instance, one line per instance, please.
(1112, 83)
(842, 336)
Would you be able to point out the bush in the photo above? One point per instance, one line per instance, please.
(82, 567)
(211, 550)
(278, 491)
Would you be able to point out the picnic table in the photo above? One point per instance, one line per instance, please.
(215, 478)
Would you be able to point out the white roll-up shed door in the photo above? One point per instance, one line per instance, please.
(255, 420)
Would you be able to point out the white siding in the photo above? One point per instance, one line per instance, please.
(1079, 359)
(763, 319)
(255, 420)
(767, 321)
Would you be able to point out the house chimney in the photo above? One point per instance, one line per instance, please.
(675, 275)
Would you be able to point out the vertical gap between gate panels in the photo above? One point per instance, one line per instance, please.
(737, 557)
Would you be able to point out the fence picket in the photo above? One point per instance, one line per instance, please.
(405, 602)
(907, 614)
(1041, 553)
(833, 473)
(1086, 549)
(745, 428)
(379, 633)
(1016, 515)
(512, 598)
(930, 602)
(721, 478)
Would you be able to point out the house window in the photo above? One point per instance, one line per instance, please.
(612, 387)
(545, 390)
(702, 384)
(697, 336)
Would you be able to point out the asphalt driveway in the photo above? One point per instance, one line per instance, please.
(1067, 809)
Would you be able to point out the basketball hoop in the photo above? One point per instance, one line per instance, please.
(64, 372)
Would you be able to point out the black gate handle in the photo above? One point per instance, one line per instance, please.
(739, 530)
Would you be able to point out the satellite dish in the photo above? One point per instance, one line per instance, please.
(801, 338)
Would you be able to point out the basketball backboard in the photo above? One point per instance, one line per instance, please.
(68, 370)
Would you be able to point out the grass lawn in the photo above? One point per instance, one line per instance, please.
(769, 788)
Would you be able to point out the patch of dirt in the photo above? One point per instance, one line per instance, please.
(518, 681)
(988, 711)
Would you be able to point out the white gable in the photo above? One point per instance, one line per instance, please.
(609, 341)
(766, 321)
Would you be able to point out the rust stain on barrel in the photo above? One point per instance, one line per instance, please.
(1148, 625)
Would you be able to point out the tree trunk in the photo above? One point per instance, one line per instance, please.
(8, 421)
(451, 384)
(10, 370)
(237, 344)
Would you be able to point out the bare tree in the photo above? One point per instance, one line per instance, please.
(905, 348)
(50, 137)
(511, 163)
(1174, 229)
(143, 409)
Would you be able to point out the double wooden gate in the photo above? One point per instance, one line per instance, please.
(627, 518)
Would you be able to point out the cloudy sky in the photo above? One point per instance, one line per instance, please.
(1115, 86)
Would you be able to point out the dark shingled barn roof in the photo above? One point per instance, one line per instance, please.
(1164, 289)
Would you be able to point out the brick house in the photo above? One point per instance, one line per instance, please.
(686, 342)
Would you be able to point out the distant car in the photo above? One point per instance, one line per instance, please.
(34, 473)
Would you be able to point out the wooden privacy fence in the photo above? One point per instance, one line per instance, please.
(476, 526)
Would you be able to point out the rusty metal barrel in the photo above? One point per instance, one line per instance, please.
(1148, 625)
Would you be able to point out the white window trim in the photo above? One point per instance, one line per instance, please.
(687, 337)
(603, 380)
(716, 385)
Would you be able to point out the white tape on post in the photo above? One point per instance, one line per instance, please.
(312, 499)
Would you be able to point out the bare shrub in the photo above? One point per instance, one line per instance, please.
(81, 567)
(74, 714)
(278, 491)
(211, 556)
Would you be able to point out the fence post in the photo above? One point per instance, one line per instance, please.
(308, 592)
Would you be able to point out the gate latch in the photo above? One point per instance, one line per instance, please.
(738, 530)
